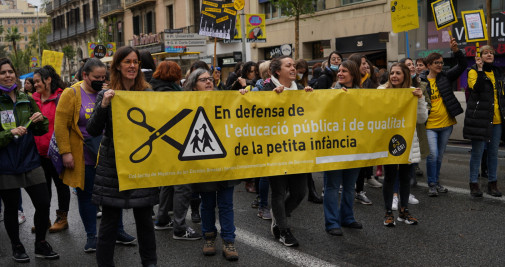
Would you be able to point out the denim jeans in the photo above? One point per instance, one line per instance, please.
(478, 147)
(437, 141)
(264, 187)
(338, 211)
(224, 200)
(87, 209)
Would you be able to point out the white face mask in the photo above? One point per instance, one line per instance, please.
(299, 76)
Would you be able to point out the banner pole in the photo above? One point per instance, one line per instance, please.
(215, 44)
(242, 25)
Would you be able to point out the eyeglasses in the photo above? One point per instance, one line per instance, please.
(210, 79)
(129, 62)
(441, 63)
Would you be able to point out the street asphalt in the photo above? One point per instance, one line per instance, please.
(454, 230)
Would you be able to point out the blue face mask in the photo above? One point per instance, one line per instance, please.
(412, 76)
(334, 67)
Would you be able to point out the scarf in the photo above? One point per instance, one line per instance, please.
(277, 84)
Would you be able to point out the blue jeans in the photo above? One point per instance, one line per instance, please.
(87, 210)
(264, 186)
(224, 200)
(335, 213)
(478, 147)
(437, 141)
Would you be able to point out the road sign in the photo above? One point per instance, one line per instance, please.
(185, 42)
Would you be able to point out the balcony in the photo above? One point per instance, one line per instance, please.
(49, 8)
(64, 2)
(49, 38)
(56, 4)
(138, 3)
(72, 30)
(109, 9)
(90, 24)
(80, 28)
(64, 33)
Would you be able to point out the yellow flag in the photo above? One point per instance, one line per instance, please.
(54, 59)
(167, 138)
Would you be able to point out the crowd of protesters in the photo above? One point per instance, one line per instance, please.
(79, 120)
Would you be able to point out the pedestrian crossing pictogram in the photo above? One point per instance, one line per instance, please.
(202, 141)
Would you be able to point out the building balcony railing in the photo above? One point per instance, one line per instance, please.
(56, 4)
(90, 24)
(49, 8)
(72, 30)
(50, 38)
(64, 33)
(111, 8)
(64, 2)
(134, 3)
(80, 28)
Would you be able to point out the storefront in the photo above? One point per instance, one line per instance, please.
(371, 45)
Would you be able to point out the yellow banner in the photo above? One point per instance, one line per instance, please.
(404, 16)
(53, 58)
(222, 135)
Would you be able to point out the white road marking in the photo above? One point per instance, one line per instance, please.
(278, 250)
(466, 192)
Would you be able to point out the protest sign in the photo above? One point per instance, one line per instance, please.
(217, 19)
(255, 29)
(404, 16)
(53, 58)
(475, 25)
(100, 50)
(222, 135)
(444, 14)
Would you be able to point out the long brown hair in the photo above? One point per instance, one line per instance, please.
(116, 78)
(354, 71)
(407, 81)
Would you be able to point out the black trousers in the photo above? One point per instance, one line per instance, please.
(62, 189)
(282, 206)
(107, 235)
(403, 172)
(40, 199)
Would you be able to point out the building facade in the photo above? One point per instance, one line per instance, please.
(20, 14)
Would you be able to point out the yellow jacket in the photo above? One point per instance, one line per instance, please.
(68, 136)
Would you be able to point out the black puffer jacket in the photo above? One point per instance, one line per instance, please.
(325, 81)
(444, 80)
(106, 188)
(480, 105)
(162, 85)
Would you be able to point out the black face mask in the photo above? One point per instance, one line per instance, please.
(97, 85)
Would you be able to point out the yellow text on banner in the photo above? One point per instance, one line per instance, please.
(222, 135)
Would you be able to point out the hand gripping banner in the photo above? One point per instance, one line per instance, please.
(168, 138)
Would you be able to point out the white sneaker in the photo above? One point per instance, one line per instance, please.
(21, 217)
(395, 203)
(413, 200)
(361, 197)
(373, 183)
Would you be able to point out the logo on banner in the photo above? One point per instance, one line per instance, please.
(201, 142)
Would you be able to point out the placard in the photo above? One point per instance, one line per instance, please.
(475, 25)
(443, 13)
(404, 15)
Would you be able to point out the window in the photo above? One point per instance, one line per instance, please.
(319, 5)
(136, 25)
(25, 21)
(26, 38)
(25, 29)
(350, 2)
(149, 22)
(8, 21)
(170, 17)
(33, 20)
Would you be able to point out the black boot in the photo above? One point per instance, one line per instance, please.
(195, 210)
(475, 190)
(313, 195)
(492, 189)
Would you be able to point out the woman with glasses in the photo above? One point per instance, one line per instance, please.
(444, 109)
(483, 118)
(216, 74)
(214, 194)
(125, 75)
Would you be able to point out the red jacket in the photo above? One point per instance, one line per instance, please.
(48, 109)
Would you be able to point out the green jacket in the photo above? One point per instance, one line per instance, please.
(19, 155)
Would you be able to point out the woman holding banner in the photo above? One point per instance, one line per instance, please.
(214, 194)
(328, 76)
(125, 75)
(283, 78)
(338, 214)
(399, 77)
(444, 109)
(20, 165)
(484, 117)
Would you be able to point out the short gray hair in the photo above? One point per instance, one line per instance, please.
(190, 83)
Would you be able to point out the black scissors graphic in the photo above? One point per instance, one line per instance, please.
(157, 133)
